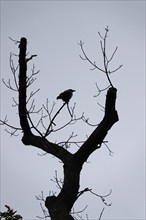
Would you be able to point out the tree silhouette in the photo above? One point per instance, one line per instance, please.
(37, 134)
(10, 214)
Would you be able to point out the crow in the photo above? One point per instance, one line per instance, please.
(66, 95)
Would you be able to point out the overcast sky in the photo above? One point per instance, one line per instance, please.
(53, 30)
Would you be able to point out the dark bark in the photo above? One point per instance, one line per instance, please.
(96, 138)
(23, 87)
(60, 206)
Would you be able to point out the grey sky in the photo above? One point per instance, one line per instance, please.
(53, 29)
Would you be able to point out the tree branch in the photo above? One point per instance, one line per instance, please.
(96, 138)
(52, 121)
(29, 138)
(22, 87)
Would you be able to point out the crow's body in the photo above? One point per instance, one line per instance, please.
(66, 95)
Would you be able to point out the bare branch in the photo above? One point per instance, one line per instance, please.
(113, 55)
(15, 129)
(33, 126)
(69, 110)
(100, 90)
(45, 212)
(8, 85)
(86, 58)
(102, 197)
(52, 121)
(106, 61)
(30, 58)
(110, 152)
(115, 69)
(70, 122)
(83, 191)
(101, 106)
(12, 133)
(101, 214)
(15, 41)
(14, 70)
(59, 182)
(77, 212)
(31, 79)
(49, 114)
(41, 197)
(100, 35)
(86, 120)
(32, 94)
(15, 103)
(68, 142)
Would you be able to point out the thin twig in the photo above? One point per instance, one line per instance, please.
(86, 58)
(101, 214)
(52, 121)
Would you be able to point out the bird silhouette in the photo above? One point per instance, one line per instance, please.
(66, 95)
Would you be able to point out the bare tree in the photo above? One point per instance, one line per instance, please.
(37, 133)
